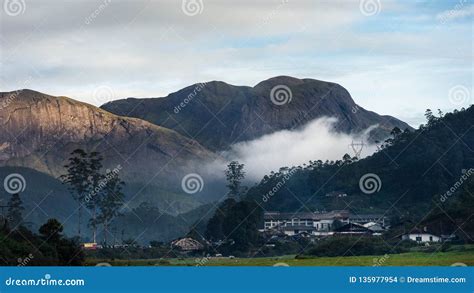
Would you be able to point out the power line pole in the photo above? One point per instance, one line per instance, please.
(357, 148)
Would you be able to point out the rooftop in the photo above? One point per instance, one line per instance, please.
(306, 215)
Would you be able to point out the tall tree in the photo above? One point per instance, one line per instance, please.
(94, 161)
(77, 179)
(112, 199)
(234, 175)
(15, 208)
(83, 179)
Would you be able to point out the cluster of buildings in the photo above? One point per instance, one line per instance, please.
(314, 225)
(338, 222)
(323, 223)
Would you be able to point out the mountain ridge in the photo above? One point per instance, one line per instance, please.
(47, 116)
(218, 114)
(40, 131)
(408, 183)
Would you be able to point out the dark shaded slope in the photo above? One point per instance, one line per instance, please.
(218, 114)
(414, 172)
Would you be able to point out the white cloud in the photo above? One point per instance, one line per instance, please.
(316, 141)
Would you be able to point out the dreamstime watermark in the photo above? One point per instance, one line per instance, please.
(103, 94)
(192, 183)
(24, 261)
(14, 7)
(459, 264)
(267, 196)
(192, 7)
(45, 281)
(355, 109)
(89, 19)
(280, 95)
(380, 261)
(14, 183)
(464, 177)
(202, 261)
(452, 13)
(281, 264)
(12, 97)
(109, 175)
(103, 264)
(370, 183)
(370, 7)
(459, 95)
(189, 98)
(272, 13)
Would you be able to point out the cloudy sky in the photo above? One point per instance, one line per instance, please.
(394, 57)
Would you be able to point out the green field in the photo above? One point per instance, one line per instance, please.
(404, 259)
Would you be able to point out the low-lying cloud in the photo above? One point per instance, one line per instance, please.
(317, 140)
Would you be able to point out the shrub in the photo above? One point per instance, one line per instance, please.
(344, 245)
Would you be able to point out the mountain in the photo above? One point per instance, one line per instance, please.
(146, 223)
(40, 131)
(218, 114)
(422, 179)
(417, 175)
(45, 197)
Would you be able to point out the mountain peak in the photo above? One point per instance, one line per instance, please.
(280, 80)
(29, 96)
(59, 124)
(218, 114)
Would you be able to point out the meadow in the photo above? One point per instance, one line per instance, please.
(461, 255)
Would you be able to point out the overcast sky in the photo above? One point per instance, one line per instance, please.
(394, 57)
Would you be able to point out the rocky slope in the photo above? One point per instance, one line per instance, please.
(218, 114)
(39, 132)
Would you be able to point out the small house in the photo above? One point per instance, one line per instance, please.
(353, 229)
(187, 244)
(421, 236)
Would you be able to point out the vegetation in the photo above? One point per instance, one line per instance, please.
(344, 246)
(111, 201)
(235, 174)
(81, 178)
(102, 194)
(235, 223)
(412, 185)
(457, 254)
(21, 247)
(15, 209)
(415, 167)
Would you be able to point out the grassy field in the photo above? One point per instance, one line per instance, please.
(404, 259)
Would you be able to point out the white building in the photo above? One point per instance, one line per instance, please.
(374, 227)
(316, 224)
(421, 236)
